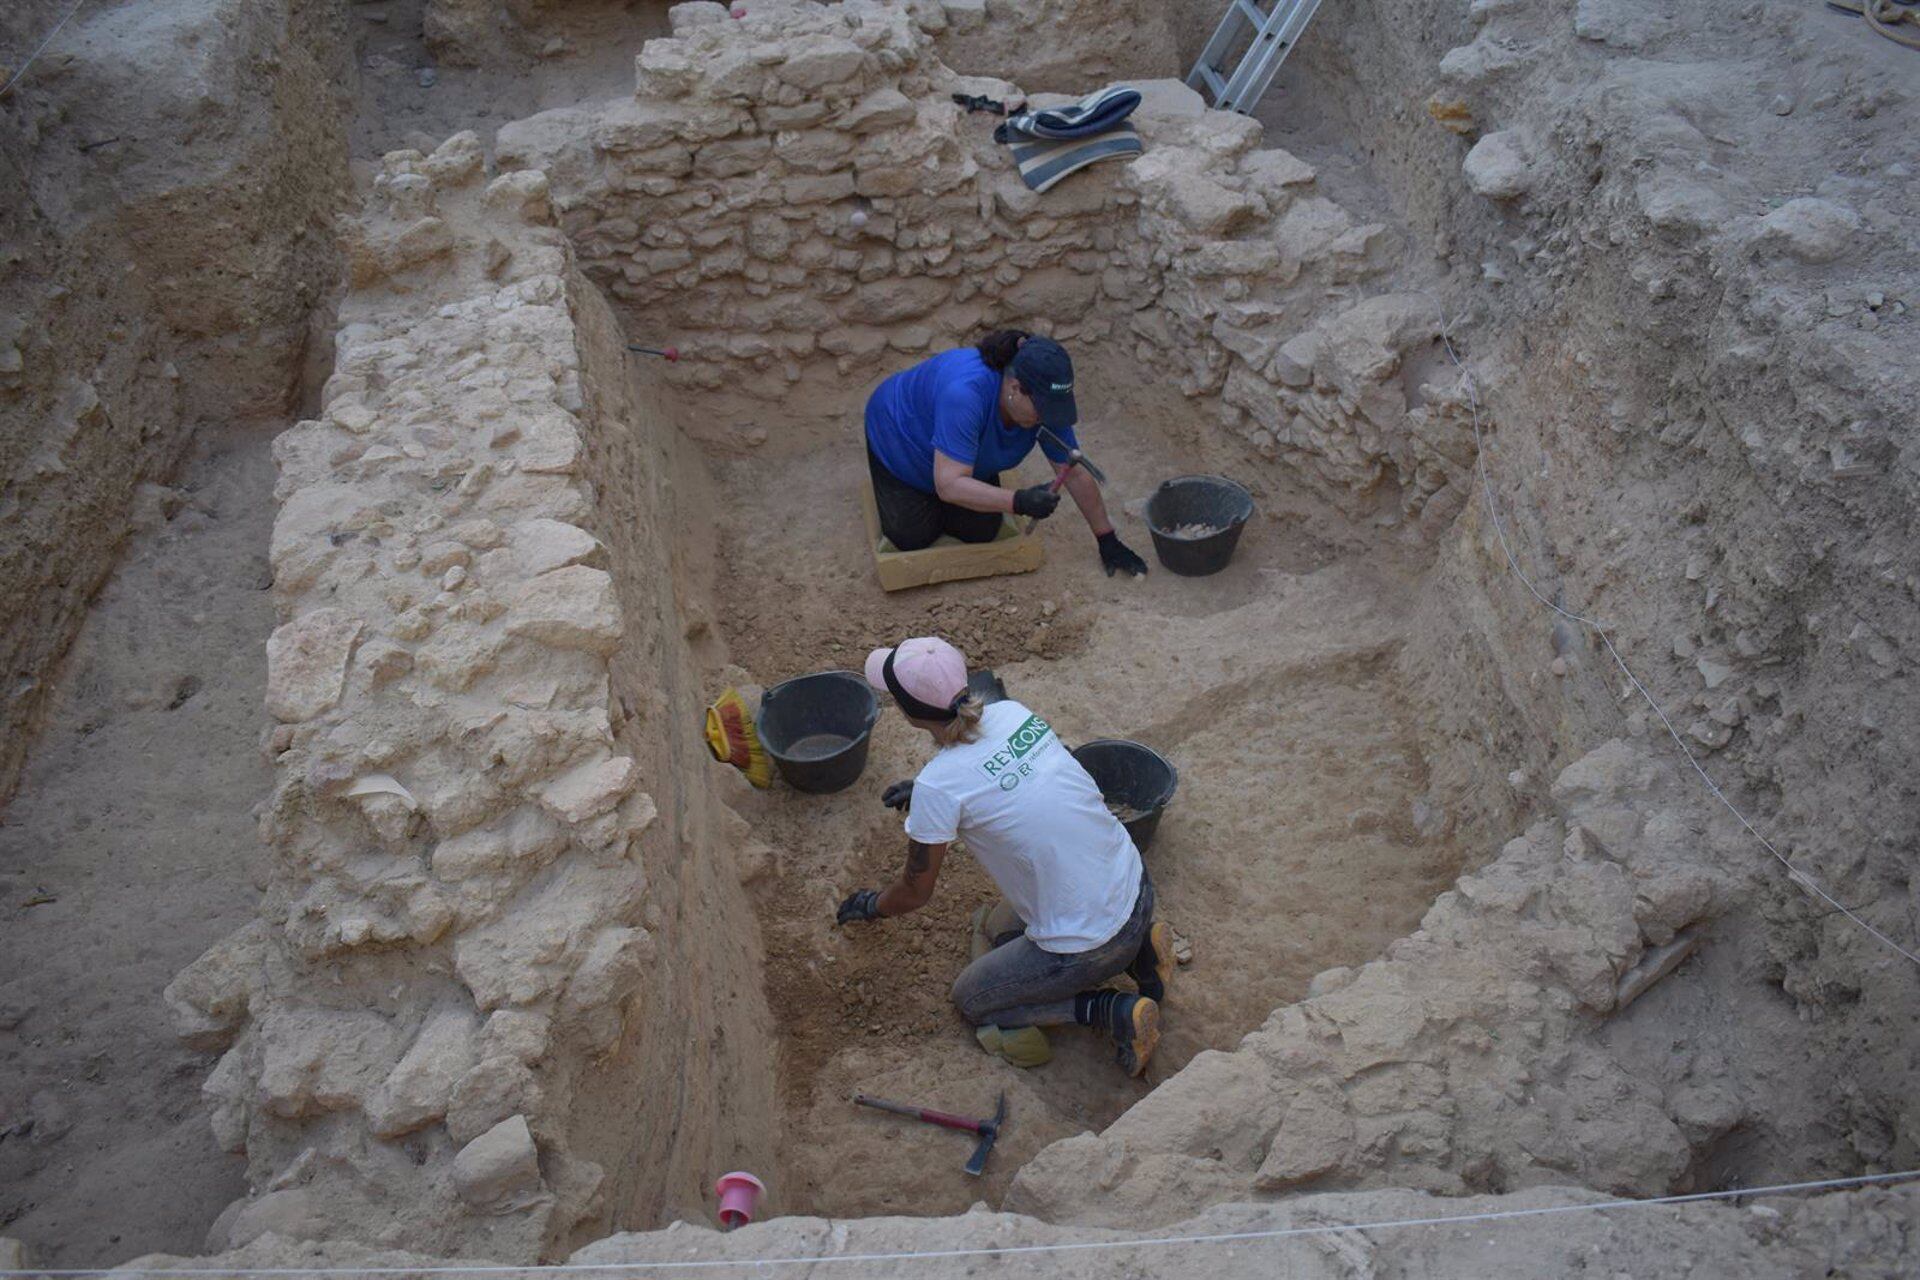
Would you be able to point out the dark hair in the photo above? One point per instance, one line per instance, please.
(997, 348)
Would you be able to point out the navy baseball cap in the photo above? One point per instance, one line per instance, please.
(1045, 373)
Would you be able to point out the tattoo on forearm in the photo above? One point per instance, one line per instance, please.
(919, 858)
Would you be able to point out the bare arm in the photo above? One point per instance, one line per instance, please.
(914, 888)
(953, 481)
(1086, 496)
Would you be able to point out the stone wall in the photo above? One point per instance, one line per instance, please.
(1656, 237)
(174, 172)
(1462, 1061)
(793, 199)
(455, 1023)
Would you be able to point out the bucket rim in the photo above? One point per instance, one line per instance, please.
(1173, 772)
(873, 706)
(1238, 521)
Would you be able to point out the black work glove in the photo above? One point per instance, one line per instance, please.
(1037, 501)
(1116, 555)
(898, 796)
(862, 904)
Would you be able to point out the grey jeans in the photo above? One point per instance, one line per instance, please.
(1019, 984)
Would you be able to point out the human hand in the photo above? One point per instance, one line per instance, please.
(1116, 555)
(1037, 501)
(861, 904)
(898, 796)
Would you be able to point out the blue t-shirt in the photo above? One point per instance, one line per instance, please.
(949, 402)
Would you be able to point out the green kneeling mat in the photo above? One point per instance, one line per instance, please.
(1022, 1046)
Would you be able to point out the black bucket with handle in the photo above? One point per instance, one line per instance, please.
(1134, 777)
(817, 729)
(1196, 523)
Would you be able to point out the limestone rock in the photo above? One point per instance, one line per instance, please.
(569, 608)
(208, 999)
(1810, 229)
(1498, 166)
(815, 62)
(524, 192)
(499, 1171)
(591, 789)
(540, 545)
(420, 1087)
(497, 1087)
(884, 108)
(307, 663)
(523, 841)
(1315, 1138)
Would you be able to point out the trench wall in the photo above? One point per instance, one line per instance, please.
(498, 990)
(172, 171)
(1691, 349)
(1686, 358)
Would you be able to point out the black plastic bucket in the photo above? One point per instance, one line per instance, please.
(1132, 775)
(817, 729)
(1214, 502)
(986, 687)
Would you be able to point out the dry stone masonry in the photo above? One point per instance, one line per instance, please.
(460, 908)
(796, 187)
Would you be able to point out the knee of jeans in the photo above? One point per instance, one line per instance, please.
(969, 1004)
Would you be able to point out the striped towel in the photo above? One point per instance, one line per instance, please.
(1095, 114)
(1043, 163)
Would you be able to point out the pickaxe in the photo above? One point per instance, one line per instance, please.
(1075, 458)
(989, 1130)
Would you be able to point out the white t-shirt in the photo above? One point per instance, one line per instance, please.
(1035, 820)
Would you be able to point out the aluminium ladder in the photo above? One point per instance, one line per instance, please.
(1268, 37)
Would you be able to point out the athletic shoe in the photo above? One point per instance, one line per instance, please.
(1152, 970)
(1135, 1023)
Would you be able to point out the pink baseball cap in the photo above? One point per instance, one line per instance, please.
(929, 669)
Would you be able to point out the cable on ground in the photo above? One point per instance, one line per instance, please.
(985, 1251)
(42, 48)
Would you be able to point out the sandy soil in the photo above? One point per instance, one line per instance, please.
(1326, 870)
(129, 850)
(410, 99)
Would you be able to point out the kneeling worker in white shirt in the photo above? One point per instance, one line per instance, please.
(1077, 899)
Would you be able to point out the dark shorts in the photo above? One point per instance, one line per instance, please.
(912, 520)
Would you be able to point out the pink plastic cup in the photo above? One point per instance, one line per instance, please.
(739, 1196)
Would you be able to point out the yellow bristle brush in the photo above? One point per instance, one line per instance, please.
(732, 738)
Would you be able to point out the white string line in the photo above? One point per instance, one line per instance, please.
(983, 1251)
(43, 47)
(1794, 873)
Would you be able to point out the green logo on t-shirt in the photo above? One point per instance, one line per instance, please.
(1007, 765)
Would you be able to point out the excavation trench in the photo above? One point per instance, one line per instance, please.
(512, 901)
(1308, 833)
(516, 906)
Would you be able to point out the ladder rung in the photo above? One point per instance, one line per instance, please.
(1272, 37)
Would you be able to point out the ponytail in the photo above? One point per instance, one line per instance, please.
(997, 348)
(965, 725)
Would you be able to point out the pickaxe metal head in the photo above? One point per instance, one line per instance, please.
(989, 1134)
(1075, 457)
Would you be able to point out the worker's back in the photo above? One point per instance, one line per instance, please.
(1037, 823)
